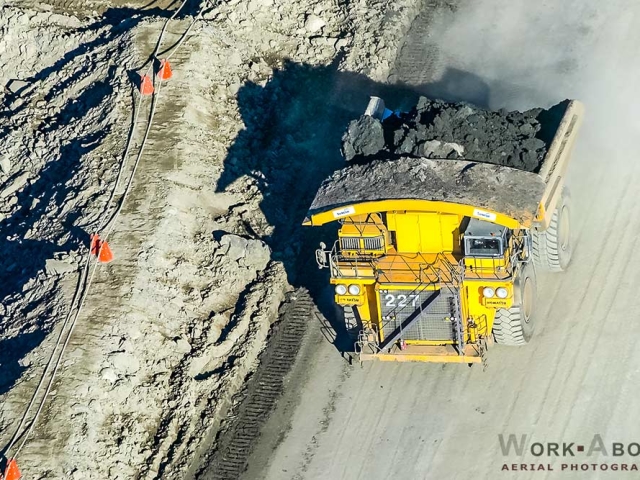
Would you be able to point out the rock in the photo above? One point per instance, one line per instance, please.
(58, 267)
(183, 346)
(15, 86)
(258, 255)
(5, 164)
(438, 129)
(40, 151)
(16, 103)
(124, 362)
(235, 58)
(109, 375)
(234, 88)
(251, 253)
(121, 392)
(527, 129)
(341, 43)
(364, 137)
(235, 246)
(314, 24)
(15, 185)
(437, 149)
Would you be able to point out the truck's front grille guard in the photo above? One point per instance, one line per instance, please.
(451, 280)
(449, 276)
(373, 243)
(350, 243)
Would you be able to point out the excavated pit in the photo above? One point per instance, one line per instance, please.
(440, 130)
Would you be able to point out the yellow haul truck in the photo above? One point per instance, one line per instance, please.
(436, 259)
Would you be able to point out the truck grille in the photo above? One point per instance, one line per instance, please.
(436, 322)
(350, 243)
(369, 243)
(373, 243)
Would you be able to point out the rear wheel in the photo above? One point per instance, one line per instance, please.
(514, 326)
(552, 248)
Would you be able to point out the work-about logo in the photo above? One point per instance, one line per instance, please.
(575, 456)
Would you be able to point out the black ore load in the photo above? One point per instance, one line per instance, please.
(441, 130)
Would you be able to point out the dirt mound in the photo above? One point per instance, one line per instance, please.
(438, 129)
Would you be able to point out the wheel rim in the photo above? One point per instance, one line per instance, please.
(527, 299)
(564, 229)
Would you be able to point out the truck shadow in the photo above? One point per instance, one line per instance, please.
(291, 143)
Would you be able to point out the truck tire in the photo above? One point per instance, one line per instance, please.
(552, 248)
(351, 321)
(514, 326)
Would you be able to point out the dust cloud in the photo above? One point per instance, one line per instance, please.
(537, 53)
(533, 53)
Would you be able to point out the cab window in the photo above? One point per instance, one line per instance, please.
(483, 247)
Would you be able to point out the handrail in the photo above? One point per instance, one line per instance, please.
(424, 270)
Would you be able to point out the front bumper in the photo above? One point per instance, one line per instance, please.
(428, 353)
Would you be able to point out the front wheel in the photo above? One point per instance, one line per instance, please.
(514, 326)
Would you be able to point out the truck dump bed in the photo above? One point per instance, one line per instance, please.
(522, 195)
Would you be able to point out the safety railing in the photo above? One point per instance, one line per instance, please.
(479, 325)
(418, 268)
(331, 259)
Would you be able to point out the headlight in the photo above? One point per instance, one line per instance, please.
(488, 292)
(354, 289)
(502, 292)
(341, 289)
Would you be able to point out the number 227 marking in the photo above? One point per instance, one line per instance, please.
(390, 300)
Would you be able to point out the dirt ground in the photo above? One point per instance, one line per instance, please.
(207, 243)
(578, 378)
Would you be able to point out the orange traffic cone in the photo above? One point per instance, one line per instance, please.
(106, 255)
(100, 249)
(94, 247)
(12, 471)
(146, 86)
(165, 72)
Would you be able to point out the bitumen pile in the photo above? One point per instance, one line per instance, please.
(442, 130)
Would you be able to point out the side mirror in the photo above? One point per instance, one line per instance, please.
(323, 246)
